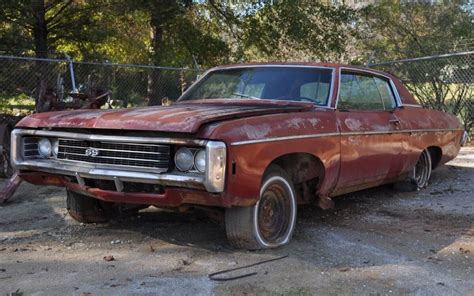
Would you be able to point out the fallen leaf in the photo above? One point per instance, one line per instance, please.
(109, 258)
(186, 262)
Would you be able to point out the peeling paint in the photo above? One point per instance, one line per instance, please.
(314, 121)
(295, 123)
(187, 118)
(353, 124)
(257, 132)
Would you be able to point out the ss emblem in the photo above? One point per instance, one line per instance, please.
(92, 152)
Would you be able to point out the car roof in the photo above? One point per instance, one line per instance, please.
(406, 96)
(309, 64)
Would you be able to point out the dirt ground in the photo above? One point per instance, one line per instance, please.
(375, 242)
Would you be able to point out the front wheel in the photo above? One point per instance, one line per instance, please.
(86, 209)
(271, 221)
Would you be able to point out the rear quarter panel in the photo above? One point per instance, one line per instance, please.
(426, 128)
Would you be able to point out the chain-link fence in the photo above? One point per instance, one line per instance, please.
(443, 82)
(24, 81)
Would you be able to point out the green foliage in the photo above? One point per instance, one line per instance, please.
(394, 30)
(16, 105)
(41, 26)
(298, 30)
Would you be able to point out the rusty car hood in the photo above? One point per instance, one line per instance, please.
(181, 117)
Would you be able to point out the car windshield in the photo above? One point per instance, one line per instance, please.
(306, 84)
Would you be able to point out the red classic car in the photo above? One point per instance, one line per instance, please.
(253, 140)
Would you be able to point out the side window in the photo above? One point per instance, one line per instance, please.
(316, 91)
(364, 92)
(386, 93)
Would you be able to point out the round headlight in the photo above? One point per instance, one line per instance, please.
(200, 160)
(184, 159)
(44, 147)
(55, 147)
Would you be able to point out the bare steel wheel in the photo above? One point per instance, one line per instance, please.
(422, 171)
(271, 221)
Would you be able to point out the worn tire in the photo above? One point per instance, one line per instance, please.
(271, 221)
(419, 176)
(87, 209)
(84, 208)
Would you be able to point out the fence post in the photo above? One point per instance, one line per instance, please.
(71, 72)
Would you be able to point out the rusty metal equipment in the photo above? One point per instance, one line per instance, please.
(48, 99)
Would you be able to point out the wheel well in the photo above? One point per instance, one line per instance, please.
(306, 172)
(435, 154)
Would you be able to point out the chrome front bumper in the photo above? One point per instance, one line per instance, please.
(81, 170)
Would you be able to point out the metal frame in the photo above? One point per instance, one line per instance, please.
(440, 56)
(95, 63)
(331, 88)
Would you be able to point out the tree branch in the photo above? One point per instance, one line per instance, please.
(66, 5)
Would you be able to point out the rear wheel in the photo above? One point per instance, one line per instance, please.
(419, 176)
(271, 221)
(422, 171)
(87, 209)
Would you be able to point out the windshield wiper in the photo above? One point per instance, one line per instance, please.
(245, 96)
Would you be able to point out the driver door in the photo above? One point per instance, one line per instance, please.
(371, 141)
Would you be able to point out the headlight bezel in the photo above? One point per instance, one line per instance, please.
(215, 164)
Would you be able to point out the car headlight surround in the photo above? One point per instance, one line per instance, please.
(55, 147)
(184, 159)
(44, 147)
(200, 160)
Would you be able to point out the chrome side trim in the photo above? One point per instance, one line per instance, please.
(399, 131)
(275, 139)
(283, 139)
(412, 105)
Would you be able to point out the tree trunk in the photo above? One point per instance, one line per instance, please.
(163, 14)
(40, 39)
(154, 91)
(40, 29)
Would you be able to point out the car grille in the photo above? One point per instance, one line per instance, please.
(135, 155)
(30, 147)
